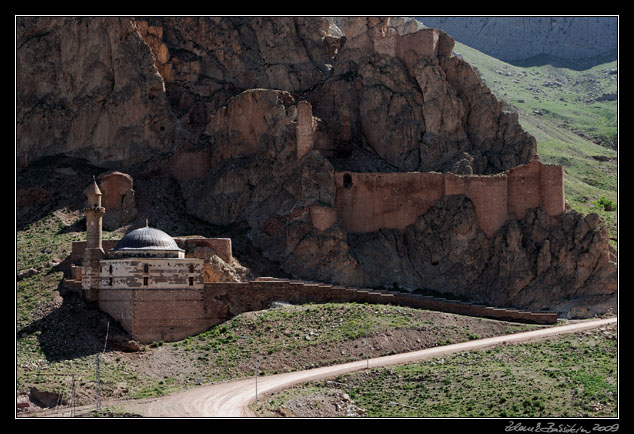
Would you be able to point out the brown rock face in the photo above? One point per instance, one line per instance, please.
(213, 104)
(538, 262)
(152, 87)
(88, 87)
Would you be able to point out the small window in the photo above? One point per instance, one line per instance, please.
(111, 269)
(146, 268)
(145, 281)
(110, 282)
(191, 281)
(191, 268)
(347, 181)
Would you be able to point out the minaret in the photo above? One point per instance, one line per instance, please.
(94, 251)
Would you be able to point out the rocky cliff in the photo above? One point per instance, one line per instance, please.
(213, 104)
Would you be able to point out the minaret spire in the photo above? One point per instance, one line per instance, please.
(94, 251)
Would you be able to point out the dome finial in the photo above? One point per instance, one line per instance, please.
(146, 223)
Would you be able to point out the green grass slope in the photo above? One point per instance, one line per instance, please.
(566, 376)
(573, 116)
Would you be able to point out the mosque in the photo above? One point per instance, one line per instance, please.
(152, 286)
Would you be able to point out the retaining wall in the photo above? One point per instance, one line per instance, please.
(172, 314)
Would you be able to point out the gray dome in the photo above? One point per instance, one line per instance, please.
(147, 239)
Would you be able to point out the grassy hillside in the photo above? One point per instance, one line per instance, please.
(566, 376)
(573, 116)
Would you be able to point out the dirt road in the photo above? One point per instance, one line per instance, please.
(231, 399)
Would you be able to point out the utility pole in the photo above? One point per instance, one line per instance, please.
(72, 409)
(97, 374)
(367, 355)
(98, 385)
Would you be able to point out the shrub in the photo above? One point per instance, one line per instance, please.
(606, 204)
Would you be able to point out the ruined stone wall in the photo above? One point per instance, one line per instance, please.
(535, 184)
(257, 295)
(118, 199)
(78, 248)
(366, 202)
(323, 217)
(489, 195)
(116, 187)
(220, 246)
(552, 185)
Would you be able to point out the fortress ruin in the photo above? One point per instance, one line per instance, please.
(160, 288)
(367, 202)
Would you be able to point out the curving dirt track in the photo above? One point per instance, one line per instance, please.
(231, 399)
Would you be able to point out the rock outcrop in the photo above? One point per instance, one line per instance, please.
(151, 88)
(87, 87)
(213, 103)
(539, 262)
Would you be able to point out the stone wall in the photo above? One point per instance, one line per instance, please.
(256, 295)
(489, 195)
(367, 202)
(219, 246)
(322, 217)
(78, 248)
(118, 199)
(157, 314)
